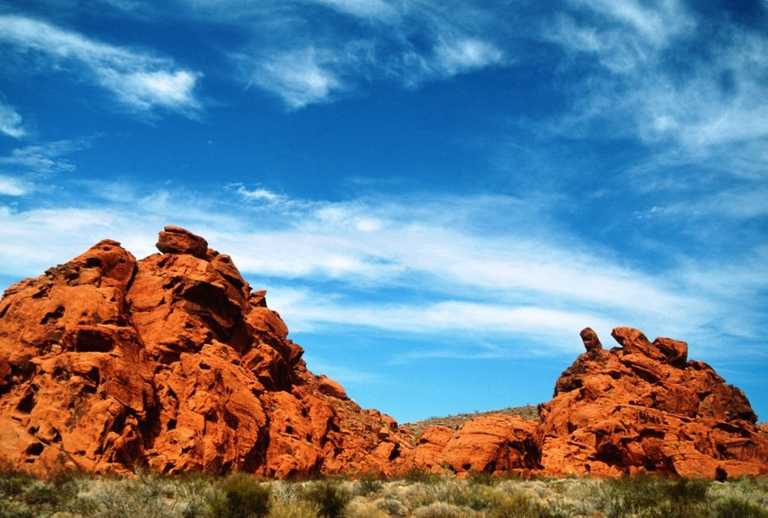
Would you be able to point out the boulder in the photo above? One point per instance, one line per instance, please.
(177, 240)
(591, 340)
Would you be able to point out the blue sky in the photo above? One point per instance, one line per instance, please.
(438, 196)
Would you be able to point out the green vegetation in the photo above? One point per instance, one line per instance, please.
(419, 495)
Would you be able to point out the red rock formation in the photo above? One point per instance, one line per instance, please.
(494, 444)
(644, 407)
(173, 363)
(108, 364)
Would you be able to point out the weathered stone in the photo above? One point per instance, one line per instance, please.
(177, 240)
(590, 340)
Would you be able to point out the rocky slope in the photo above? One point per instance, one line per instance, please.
(172, 363)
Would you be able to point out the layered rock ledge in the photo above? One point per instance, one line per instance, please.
(172, 363)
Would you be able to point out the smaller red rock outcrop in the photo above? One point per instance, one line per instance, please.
(494, 444)
(644, 407)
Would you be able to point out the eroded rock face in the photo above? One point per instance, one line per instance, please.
(645, 408)
(172, 363)
(495, 444)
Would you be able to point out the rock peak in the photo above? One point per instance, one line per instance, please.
(178, 240)
(591, 340)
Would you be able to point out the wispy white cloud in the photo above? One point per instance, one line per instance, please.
(11, 123)
(139, 80)
(308, 310)
(300, 77)
(257, 194)
(442, 275)
(27, 169)
(719, 100)
(10, 186)
(312, 75)
(734, 203)
(465, 54)
(362, 8)
(656, 22)
(41, 159)
(316, 61)
(703, 120)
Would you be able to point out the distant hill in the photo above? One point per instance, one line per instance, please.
(454, 422)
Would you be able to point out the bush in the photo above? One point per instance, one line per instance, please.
(441, 510)
(482, 478)
(656, 497)
(735, 508)
(420, 475)
(368, 484)
(517, 506)
(293, 510)
(13, 484)
(329, 498)
(688, 490)
(241, 496)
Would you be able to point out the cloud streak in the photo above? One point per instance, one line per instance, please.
(140, 81)
(441, 277)
(11, 123)
(317, 62)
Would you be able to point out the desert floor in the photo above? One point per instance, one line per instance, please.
(418, 495)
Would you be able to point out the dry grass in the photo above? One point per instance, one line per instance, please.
(246, 496)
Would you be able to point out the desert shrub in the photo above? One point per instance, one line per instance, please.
(517, 505)
(13, 483)
(631, 494)
(654, 497)
(368, 484)
(687, 490)
(329, 497)
(391, 506)
(359, 507)
(482, 478)
(423, 476)
(241, 496)
(441, 510)
(42, 494)
(12, 509)
(736, 508)
(293, 509)
(147, 496)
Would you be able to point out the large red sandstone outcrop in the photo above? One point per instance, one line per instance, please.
(108, 364)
